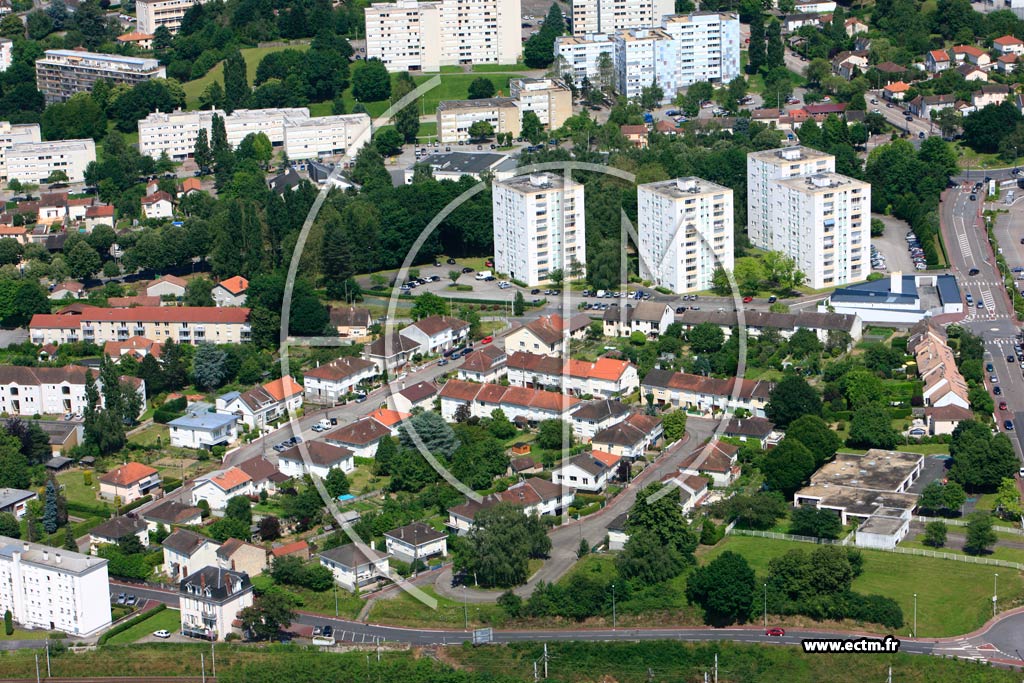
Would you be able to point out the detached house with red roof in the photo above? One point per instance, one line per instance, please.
(546, 334)
(937, 61)
(98, 214)
(261, 405)
(535, 496)
(129, 482)
(230, 292)
(972, 55)
(895, 92)
(157, 205)
(219, 486)
(1008, 45)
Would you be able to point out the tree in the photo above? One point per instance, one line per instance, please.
(756, 49)
(787, 467)
(269, 613)
(981, 460)
(532, 128)
(813, 432)
(481, 130)
(725, 588)
(500, 544)
(336, 483)
(209, 366)
(871, 427)
(646, 561)
(931, 498)
(239, 508)
(236, 83)
(774, 54)
(1007, 503)
(481, 88)
(270, 528)
(225, 528)
(518, 304)
(935, 534)
(984, 129)
(752, 511)
(651, 95)
(674, 425)
(808, 520)
(705, 338)
(980, 535)
(9, 525)
(199, 292)
(388, 141)
(82, 260)
(50, 511)
(500, 426)
(428, 304)
(953, 496)
(371, 81)
(662, 516)
(437, 435)
(554, 434)
(538, 52)
(792, 398)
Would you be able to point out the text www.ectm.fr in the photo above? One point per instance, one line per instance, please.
(887, 644)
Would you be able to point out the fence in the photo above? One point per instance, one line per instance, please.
(922, 552)
(962, 522)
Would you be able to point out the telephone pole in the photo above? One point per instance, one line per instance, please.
(545, 660)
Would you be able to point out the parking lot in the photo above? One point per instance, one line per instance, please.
(1007, 234)
(893, 246)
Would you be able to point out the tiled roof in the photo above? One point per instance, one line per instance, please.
(711, 386)
(259, 469)
(436, 324)
(1007, 40)
(497, 394)
(483, 359)
(171, 512)
(169, 314)
(359, 433)
(128, 474)
(350, 316)
(749, 426)
(158, 196)
(395, 343)
(417, 533)
(289, 548)
(118, 527)
(319, 452)
(185, 541)
(600, 410)
(949, 413)
(419, 391)
(230, 478)
(716, 457)
(350, 555)
(939, 55)
(283, 388)
(388, 417)
(340, 369)
(235, 285)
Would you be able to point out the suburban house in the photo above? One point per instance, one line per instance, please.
(116, 529)
(752, 429)
(630, 438)
(416, 541)
(230, 292)
(546, 334)
(168, 285)
(71, 289)
(437, 333)
(484, 365)
(692, 489)
(990, 94)
(716, 460)
(63, 436)
(136, 347)
(392, 419)
(706, 394)
(240, 556)
(848, 63)
(264, 475)
(219, 486)
(1007, 64)
(534, 495)
(203, 430)
(1008, 45)
(97, 215)
(944, 419)
(355, 567)
(972, 72)
(261, 405)
(531, 405)
(190, 186)
(636, 135)
(419, 395)
(129, 482)
(971, 54)
(649, 317)
(617, 532)
(895, 92)
(332, 382)
(157, 205)
(604, 378)
(15, 501)
(937, 60)
(588, 472)
(210, 600)
(854, 26)
(185, 551)
(360, 437)
(299, 549)
(172, 514)
(936, 366)
(391, 351)
(322, 458)
(351, 322)
(594, 416)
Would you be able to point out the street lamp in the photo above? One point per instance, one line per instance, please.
(995, 592)
(614, 618)
(465, 609)
(766, 606)
(915, 615)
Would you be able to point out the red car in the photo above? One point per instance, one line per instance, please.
(487, 340)
(1002, 405)
(775, 632)
(747, 299)
(489, 263)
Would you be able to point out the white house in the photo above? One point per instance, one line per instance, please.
(230, 292)
(15, 501)
(116, 529)
(129, 482)
(649, 317)
(437, 333)
(716, 460)
(355, 567)
(185, 551)
(158, 205)
(416, 541)
(203, 430)
(535, 496)
(419, 395)
(361, 437)
(168, 285)
(172, 513)
(331, 382)
(484, 365)
(261, 405)
(603, 378)
(588, 472)
(594, 416)
(323, 457)
(210, 599)
(532, 405)
(692, 489)
(219, 486)
(631, 438)
(546, 335)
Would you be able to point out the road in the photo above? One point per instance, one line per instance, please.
(969, 249)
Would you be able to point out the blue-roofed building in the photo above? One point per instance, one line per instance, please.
(203, 430)
(896, 299)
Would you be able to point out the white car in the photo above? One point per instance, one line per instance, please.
(162, 633)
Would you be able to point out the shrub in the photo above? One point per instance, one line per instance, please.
(127, 624)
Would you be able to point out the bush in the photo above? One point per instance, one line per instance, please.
(138, 502)
(125, 625)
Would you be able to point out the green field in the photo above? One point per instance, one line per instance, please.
(166, 619)
(456, 87)
(952, 597)
(406, 610)
(252, 57)
(75, 489)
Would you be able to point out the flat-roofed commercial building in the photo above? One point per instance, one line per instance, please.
(62, 73)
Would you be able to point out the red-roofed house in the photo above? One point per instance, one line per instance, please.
(297, 548)
(137, 347)
(534, 495)
(545, 335)
(129, 482)
(71, 289)
(389, 418)
(532, 405)
(971, 54)
(98, 214)
(706, 394)
(158, 205)
(603, 378)
(895, 92)
(937, 60)
(184, 324)
(218, 487)
(230, 292)
(190, 186)
(1007, 63)
(1007, 45)
(144, 41)
(261, 405)
(636, 135)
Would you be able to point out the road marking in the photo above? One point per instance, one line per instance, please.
(990, 302)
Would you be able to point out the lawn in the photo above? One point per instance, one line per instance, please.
(952, 597)
(998, 553)
(154, 434)
(167, 619)
(75, 489)
(456, 87)
(406, 610)
(252, 57)
(970, 159)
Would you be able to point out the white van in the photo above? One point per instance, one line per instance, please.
(483, 275)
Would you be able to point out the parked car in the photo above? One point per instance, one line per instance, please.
(162, 633)
(1008, 425)
(487, 340)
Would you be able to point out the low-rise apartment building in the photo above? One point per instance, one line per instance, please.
(706, 394)
(184, 324)
(34, 162)
(331, 382)
(152, 14)
(549, 98)
(518, 403)
(62, 73)
(29, 391)
(454, 117)
(603, 378)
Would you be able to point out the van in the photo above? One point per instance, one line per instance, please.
(483, 275)
(600, 294)
(324, 423)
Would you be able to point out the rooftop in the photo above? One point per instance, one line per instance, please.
(876, 470)
(127, 474)
(536, 182)
(34, 553)
(466, 163)
(206, 422)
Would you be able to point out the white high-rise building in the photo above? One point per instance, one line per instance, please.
(33, 162)
(708, 44)
(152, 14)
(539, 226)
(606, 16)
(408, 35)
(581, 56)
(644, 56)
(52, 589)
(799, 206)
(685, 227)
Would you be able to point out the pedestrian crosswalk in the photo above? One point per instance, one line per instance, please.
(965, 246)
(988, 299)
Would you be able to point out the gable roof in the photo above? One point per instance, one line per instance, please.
(1007, 40)
(434, 325)
(127, 474)
(319, 452)
(396, 341)
(359, 433)
(388, 417)
(260, 469)
(235, 285)
(968, 50)
(600, 410)
(350, 316)
(283, 388)
(228, 479)
(186, 541)
(645, 311)
(713, 457)
(630, 432)
(172, 279)
(339, 369)
(118, 527)
(350, 555)
(484, 359)
(171, 512)
(419, 391)
(289, 548)
(157, 196)
(757, 427)
(460, 390)
(939, 55)
(232, 546)
(551, 328)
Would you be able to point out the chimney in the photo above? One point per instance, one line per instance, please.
(896, 282)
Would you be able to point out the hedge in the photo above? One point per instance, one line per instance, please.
(138, 502)
(900, 413)
(171, 410)
(125, 625)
